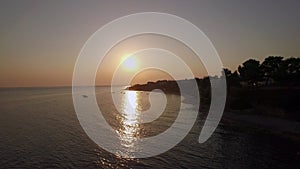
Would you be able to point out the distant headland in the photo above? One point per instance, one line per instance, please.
(270, 88)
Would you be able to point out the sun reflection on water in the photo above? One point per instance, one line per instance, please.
(129, 130)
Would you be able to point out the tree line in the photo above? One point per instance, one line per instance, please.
(274, 70)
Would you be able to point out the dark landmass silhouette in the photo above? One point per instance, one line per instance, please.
(270, 88)
(260, 96)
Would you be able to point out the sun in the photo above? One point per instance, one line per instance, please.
(129, 63)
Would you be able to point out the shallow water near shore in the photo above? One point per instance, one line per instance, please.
(39, 129)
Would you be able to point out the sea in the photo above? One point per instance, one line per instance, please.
(39, 128)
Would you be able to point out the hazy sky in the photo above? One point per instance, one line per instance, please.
(40, 40)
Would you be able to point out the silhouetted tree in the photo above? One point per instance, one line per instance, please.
(232, 79)
(227, 72)
(292, 70)
(272, 69)
(250, 72)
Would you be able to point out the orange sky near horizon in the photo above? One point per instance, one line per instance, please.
(115, 56)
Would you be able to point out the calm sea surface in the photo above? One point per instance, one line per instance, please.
(39, 129)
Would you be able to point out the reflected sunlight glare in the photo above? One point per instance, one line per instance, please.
(129, 126)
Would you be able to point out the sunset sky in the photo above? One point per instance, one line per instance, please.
(40, 40)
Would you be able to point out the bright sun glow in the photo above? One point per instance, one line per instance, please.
(130, 63)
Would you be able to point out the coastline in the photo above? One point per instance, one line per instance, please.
(248, 118)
